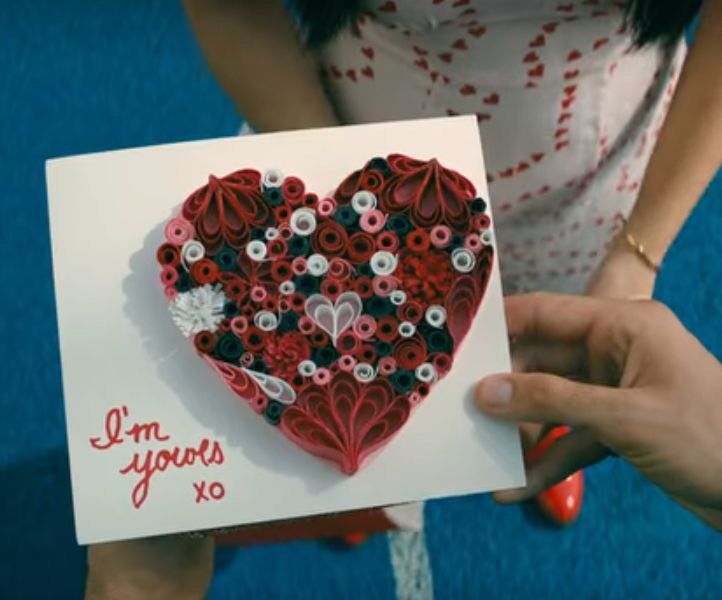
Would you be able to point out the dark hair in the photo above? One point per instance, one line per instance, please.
(662, 21)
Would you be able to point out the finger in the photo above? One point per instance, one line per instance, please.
(565, 456)
(542, 398)
(552, 316)
(530, 434)
(530, 356)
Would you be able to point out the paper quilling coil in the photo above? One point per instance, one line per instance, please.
(306, 325)
(363, 201)
(487, 237)
(192, 251)
(287, 287)
(285, 230)
(265, 320)
(258, 293)
(272, 178)
(387, 328)
(384, 285)
(425, 372)
(383, 263)
(397, 297)
(364, 372)
(372, 221)
(321, 376)
(170, 292)
(256, 250)
(364, 327)
(247, 359)
(332, 288)
(348, 342)
(204, 341)
(371, 180)
(386, 365)
(168, 275)
(406, 329)
(293, 190)
(388, 241)
(330, 239)
(418, 241)
(302, 221)
(435, 315)
(310, 200)
(299, 266)
(178, 231)
(339, 268)
(204, 271)
(317, 264)
(362, 286)
(259, 403)
(347, 363)
(481, 222)
(463, 260)
(168, 254)
(306, 368)
(281, 270)
(326, 207)
(277, 248)
(297, 301)
(473, 243)
(410, 311)
(253, 339)
(409, 352)
(440, 236)
(366, 353)
(239, 325)
(361, 246)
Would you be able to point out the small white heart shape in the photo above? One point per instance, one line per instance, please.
(335, 318)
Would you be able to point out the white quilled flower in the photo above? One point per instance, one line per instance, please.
(200, 309)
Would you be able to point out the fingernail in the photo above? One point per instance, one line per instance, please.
(494, 392)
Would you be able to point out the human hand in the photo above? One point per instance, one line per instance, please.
(169, 567)
(645, 389)
(622, 275)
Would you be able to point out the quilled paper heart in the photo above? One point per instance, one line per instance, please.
(332, 317)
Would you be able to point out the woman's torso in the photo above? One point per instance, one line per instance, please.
(568, 112)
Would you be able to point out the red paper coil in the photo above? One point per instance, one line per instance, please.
(410, 352)
(481, 221)
(297, 301)
(387, 329)
(277, 248)
(319, 339)
(306, 325)
(254, 339)
(293, 190)
(329, 239)
(205, 342)
(204, 271)
(281, 270)
(169, 275)
(365, 353)
(168, 254)
(410, 311)
(363, 287)
(371, 180)
(442, 363)
(282, 214)
(340, 268)
(310, 200)
(224, 326)
(332, 288)
(234, 287)
(270, 304)
(388, 241)
(418, 241)
(361, 247)
(347, 342)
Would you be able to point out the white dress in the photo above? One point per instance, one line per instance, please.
(568, 112)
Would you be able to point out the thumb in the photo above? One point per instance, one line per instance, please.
(542, 398)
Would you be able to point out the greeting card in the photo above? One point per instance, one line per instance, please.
(260, 328)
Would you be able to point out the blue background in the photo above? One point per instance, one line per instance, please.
(87, 76)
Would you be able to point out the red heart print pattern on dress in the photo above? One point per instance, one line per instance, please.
(332, 317)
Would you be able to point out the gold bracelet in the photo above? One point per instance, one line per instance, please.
(639, 250)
